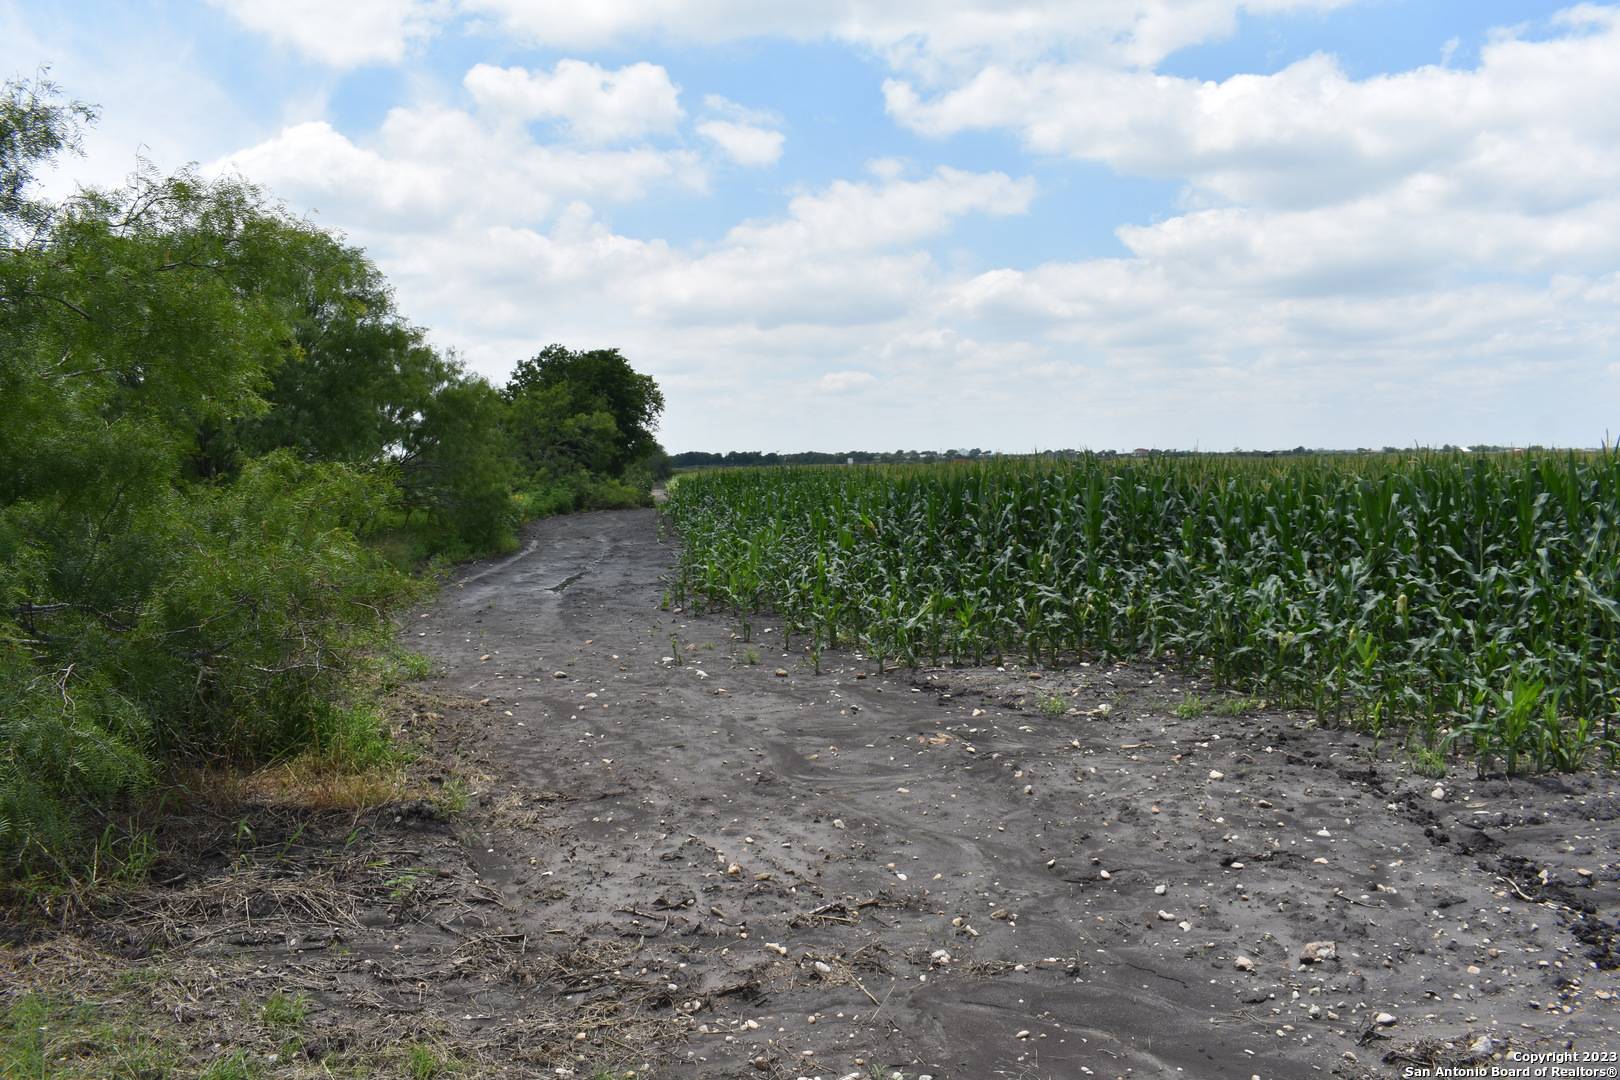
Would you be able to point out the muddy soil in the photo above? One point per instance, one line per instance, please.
(972, 873)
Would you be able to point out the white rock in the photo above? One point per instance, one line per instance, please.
(1216, 774)
(1315, 952)
(1243, 963)
(1384, 1019)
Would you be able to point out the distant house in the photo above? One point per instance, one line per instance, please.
(1142, 451)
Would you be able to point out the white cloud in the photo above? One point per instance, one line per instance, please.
(431, 168)
(744, 143)
(596, 104)
(347, 33)
(934, 36)
(848, 215)
(1520, 128)
(726, 109)
(843, 382)
(171, 120)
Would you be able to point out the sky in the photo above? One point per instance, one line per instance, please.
(1017, 225)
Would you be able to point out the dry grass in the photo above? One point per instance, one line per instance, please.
(305, 783)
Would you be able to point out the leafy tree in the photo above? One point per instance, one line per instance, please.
(560, 382)
(34, 128)
(358, 376)
(208, 404)
(457, 464)
(144, 615)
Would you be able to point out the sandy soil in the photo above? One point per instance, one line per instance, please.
(972, 873)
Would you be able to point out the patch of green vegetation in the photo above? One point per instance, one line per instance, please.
(1053, 705)
(1473, 592)
(453, 796)
(352, 739)
(750, 655)
(1233, 707)
(1192, 707)
(43, 1039)
(285, 1013)
(225, 454)
(424, 1062)
(238, 1065)
(402, 886)
(395, 666)
(1195, 705)
(1425, 760)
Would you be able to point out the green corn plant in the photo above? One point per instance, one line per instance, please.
(1381, 591)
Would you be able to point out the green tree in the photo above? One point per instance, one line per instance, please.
(358, 376)
(457, 464)
(34, 128)
(561, 382)
(143, 614)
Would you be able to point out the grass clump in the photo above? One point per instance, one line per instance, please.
(1192, 707)
(285, 1012)
(453, 796)
(423, 1062)
(42, 1038)
(238, 1065)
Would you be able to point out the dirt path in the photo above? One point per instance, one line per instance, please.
(983, 873)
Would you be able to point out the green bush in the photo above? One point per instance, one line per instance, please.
(223, 451)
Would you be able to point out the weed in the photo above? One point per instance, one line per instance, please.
(1052, 705)
(236, 1066)
(395, 666)
(750, 655)
(424, 1062)
(285, 1013)
(1192, 707)
(402, 887)
(1426, 760)
(42, 1039)
(453, 796)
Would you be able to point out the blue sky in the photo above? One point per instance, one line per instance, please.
(1014, 225)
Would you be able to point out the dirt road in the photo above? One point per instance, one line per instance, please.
(980, 873)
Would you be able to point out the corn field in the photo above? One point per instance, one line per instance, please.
(1467, 600)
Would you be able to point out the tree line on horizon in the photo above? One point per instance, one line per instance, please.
(225, 455)
(703, 459)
